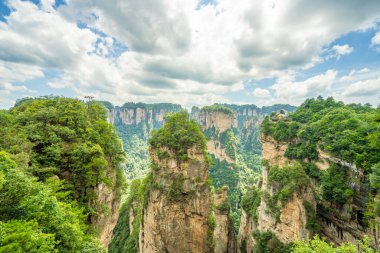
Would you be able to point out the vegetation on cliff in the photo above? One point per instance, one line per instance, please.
(218, 108)
(55, 152)
(135, 135)
(317, 245)
(179, 134)
(348, 135)
(126, 238)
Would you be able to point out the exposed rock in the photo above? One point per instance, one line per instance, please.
(273, 151)
(293, 218)
(292, 225)
(220, 120)
(224, 232)
(176, 217)
(214, 147)
(245, 238)
(105, 223)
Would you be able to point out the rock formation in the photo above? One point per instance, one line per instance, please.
(179, 205)
(224, 233)
(293, 222)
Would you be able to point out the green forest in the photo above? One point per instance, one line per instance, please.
(55, 152)
(347, 133)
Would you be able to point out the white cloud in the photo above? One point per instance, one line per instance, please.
(376, 39)
(363, 88)
(343, 49)
(261, 93)
(296, 91)
(177, 52)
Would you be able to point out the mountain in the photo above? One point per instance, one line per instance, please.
(134, 122)
(233, 141)
(60, 176)
(174, 208)
(320, 176)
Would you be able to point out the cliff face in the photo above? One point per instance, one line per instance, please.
(289, 224)
(221, 121)
(224, 233)
(105, 223)
(176, 216)
(344, 224)
(151, 115)
(338, 224)
(216, 123)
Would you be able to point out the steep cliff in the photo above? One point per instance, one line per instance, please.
(134, 122)
(179, 205)
(277, 208)
(172, 210)
(233, 141)
(65, 177)
(224, 233)
(317, 178)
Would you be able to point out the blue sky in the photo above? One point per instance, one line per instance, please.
(193, 52)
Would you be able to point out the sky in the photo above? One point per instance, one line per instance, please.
(191, 52)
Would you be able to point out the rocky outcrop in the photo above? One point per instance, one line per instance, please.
(221, 121)
(337, 224)
(105, 222)
(292, 221)
(224, 232)
(215, 123)
(245, 237)
(144, 116)
(274, 151)
(179, 204)
(342, 224)
(215, 147)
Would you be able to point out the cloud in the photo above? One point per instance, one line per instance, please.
(376, 39)
(343, 49)
(174, 50)
(35, 37)
(363, 88)
(261, 93)
(277, 38)
(287, 88)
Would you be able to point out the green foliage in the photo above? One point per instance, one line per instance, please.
(317, 245)
(228, 142)
(301, 151)
(267, 242)
(280, 130)
(123, 239)
(312, 171)
(311, 222)
(285, 181)
(24, 199)
(288, 180)
(211, 223)
(179, 133)
(218, 108)
(375, 186)
(348, 132)
(58, 151)
(175, 191)
(224, 207)
(223, 173)
(335, 185)
(251, 201)
(25, 236)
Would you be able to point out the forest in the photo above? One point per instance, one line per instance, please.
(55, 152)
